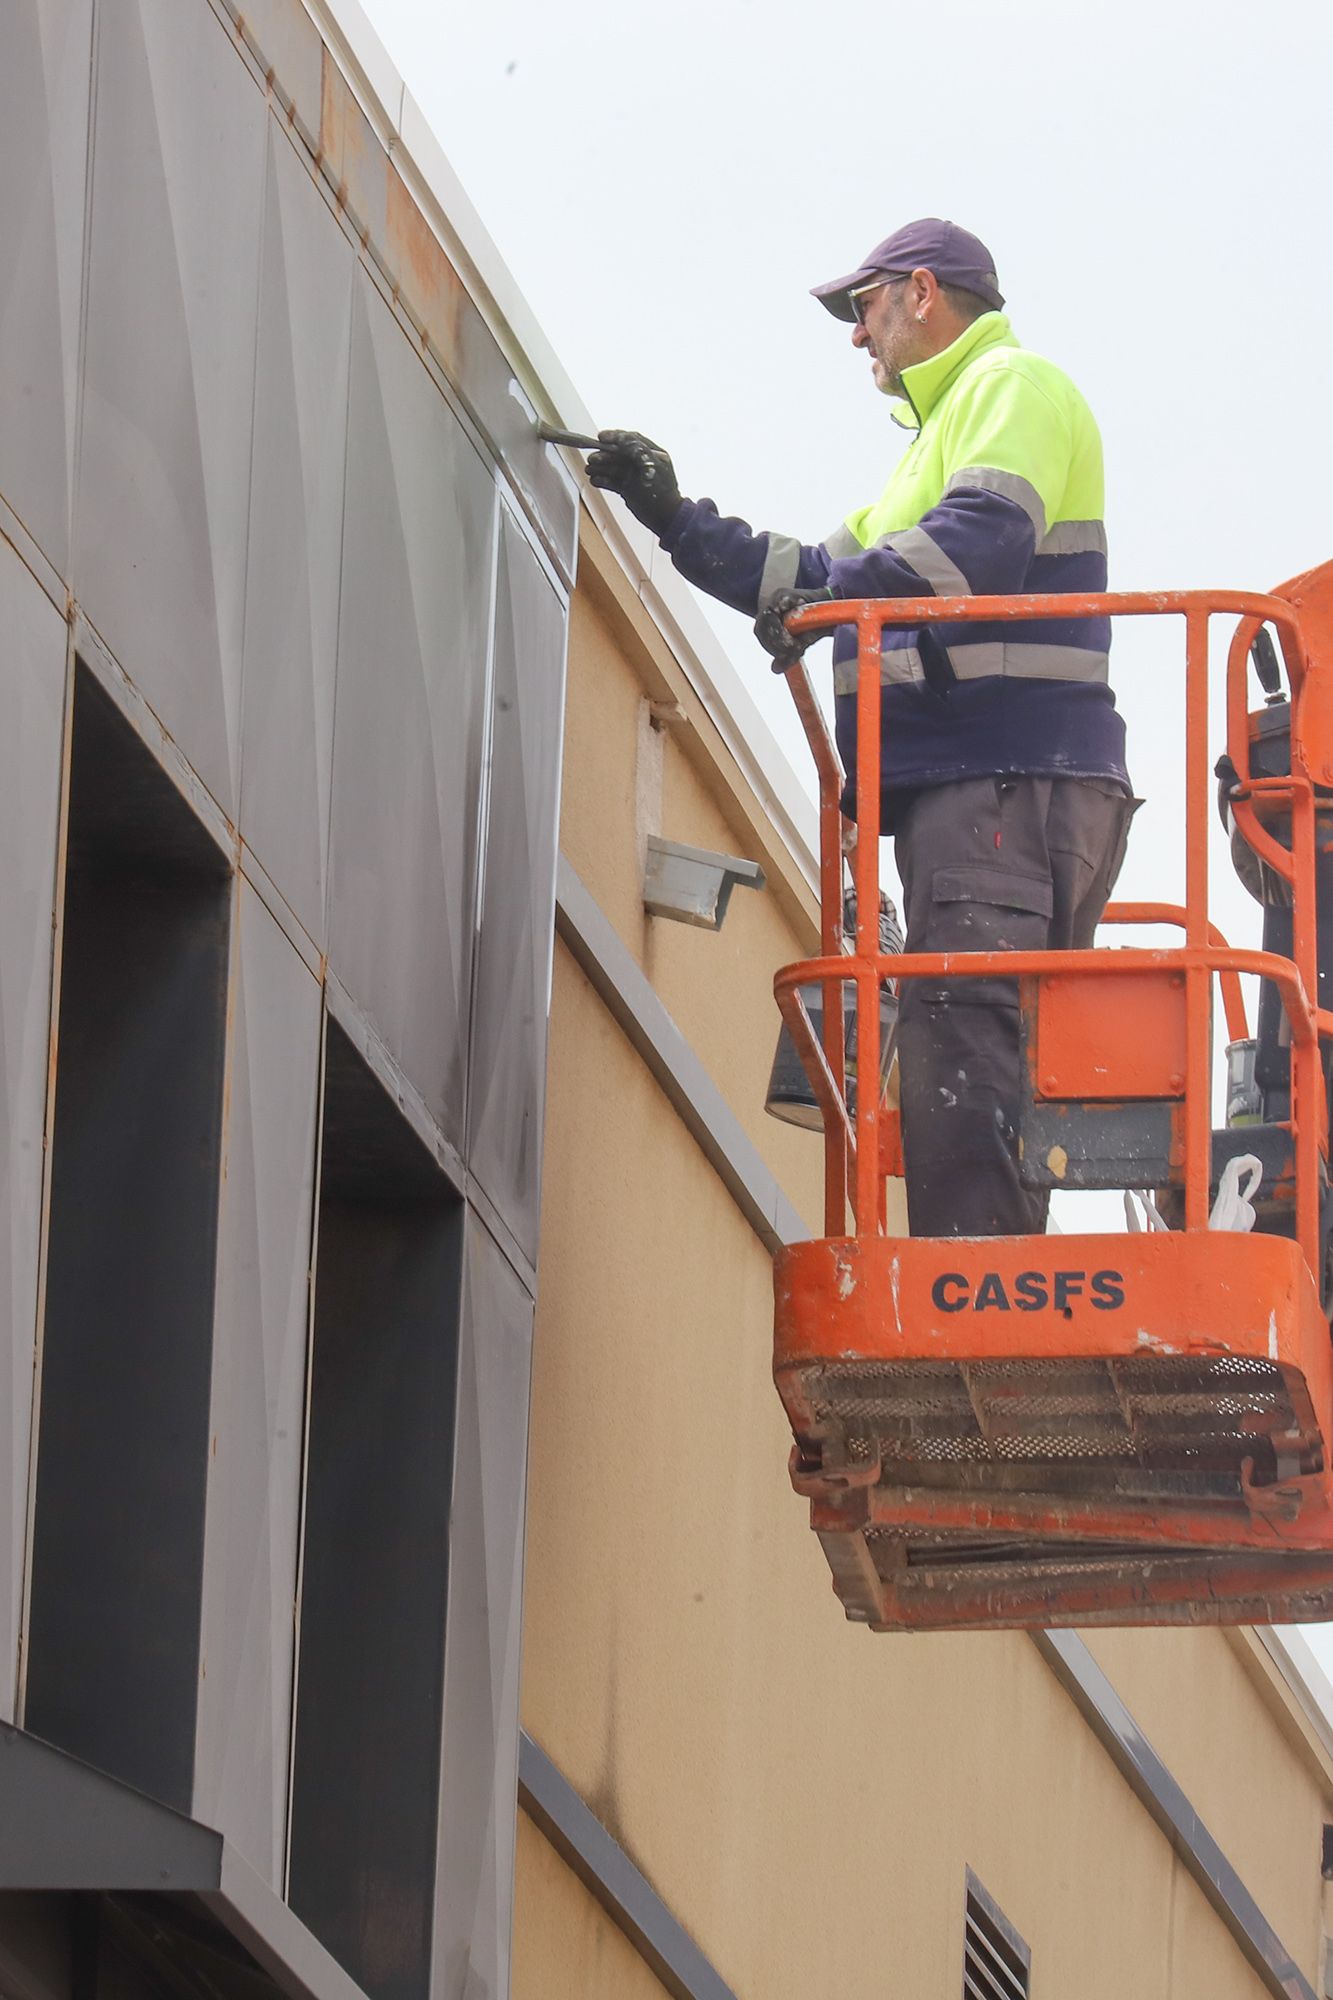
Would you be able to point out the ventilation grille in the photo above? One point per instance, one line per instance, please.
(996, 1961)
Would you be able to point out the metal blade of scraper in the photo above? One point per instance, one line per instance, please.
(574, 439)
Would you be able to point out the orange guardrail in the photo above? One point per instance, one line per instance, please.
(852, 1176)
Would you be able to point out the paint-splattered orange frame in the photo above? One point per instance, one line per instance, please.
(859, 1296)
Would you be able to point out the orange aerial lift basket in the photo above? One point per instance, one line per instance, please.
(1087, 1429)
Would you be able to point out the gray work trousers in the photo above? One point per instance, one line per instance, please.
(992, 864)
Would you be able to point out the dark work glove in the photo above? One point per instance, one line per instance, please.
(771, 632)
(638, 470)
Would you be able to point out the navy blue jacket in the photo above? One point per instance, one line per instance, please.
(999, 493)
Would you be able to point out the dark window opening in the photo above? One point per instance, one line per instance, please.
(124, 1945)
(996, 1962)
(365, 1791)
(113, 1635)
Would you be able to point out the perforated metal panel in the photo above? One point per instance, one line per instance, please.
(1203, 1414)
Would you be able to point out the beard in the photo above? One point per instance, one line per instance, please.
(887, 379)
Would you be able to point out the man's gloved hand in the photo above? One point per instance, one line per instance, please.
(640, 471)
(771, 632)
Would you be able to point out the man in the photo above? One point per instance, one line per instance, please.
(1002, 754)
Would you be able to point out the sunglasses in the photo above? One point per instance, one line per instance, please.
(863, 292)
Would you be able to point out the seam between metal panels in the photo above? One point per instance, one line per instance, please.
(630, 998)
(33, 557)
(93, 651)
(605, 1869)
(1074, 1667)
(388, 1073)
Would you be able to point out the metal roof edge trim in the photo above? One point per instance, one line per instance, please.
(412, 145)
(1295, 1661)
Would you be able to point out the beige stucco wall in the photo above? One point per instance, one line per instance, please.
(565, 1945)
(805, 1797)
(1263, 1798)
(801, 1794)
(625, 778)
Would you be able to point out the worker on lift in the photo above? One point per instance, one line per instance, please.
(1003, 765)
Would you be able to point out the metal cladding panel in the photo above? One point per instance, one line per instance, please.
(417, 570)
(164, 463)
(479, 1784)
(510, 422)
(291, 620)
(44, 88)
(258, 1392)
(508, 1067)
(292, 50)
(32, 659)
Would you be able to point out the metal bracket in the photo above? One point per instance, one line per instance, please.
(693, 885)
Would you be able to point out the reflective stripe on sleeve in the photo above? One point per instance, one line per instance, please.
(1074, 538)
(995, 658)
(1009, 485)
(842, 543)
(902, 664)
(990, 660)
(781, 566)
(928, 559)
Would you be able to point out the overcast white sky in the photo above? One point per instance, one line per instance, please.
(1153, 178)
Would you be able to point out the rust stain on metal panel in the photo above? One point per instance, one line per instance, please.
(284, 42)
(333, 91)
(431, 288)
(351, 156)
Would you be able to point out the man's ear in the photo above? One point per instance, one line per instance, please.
(922, 294)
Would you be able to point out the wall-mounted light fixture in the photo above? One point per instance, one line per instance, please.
(692, 885)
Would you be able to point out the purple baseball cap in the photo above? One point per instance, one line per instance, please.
(953, 254)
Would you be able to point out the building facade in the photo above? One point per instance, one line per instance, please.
(284, 632)
(337, 1043)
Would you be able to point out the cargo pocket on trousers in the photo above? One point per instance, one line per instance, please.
(983, 908)
(1120, 843)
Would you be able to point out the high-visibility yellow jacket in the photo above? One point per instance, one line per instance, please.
(1000, 492)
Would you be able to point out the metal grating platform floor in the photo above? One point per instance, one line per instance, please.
(1206, 1414)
